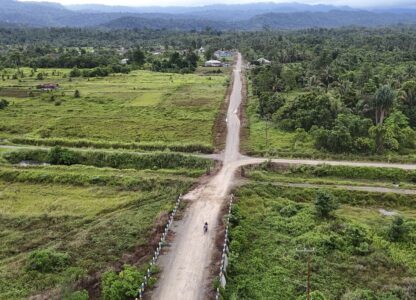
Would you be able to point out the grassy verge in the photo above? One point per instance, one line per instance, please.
(353, 258)
(326, 174)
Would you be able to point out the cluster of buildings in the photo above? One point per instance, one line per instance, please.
(219, 55)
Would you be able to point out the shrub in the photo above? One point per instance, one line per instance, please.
(121, 286)
(325, 203)
(397, 229)
(47, 261)
(61, 156)
(78, 295)
(3, 103)
(315, 295)
(359, 294)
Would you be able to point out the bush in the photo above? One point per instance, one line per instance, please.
(61, 156)
(325, 203)
(315, 295)
(45, 261)
(359, 294)
(397, 229)
(123, 285)
(3, 103)
(78, 295)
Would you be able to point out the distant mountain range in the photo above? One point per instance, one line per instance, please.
(218, 17)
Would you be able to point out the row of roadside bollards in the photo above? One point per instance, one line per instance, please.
(162, 241)
(224, 256)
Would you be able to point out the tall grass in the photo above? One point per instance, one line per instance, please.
(119, 160)
(142, 146)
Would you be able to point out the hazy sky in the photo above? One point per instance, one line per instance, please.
(353, 3)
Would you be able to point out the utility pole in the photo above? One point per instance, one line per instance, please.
(308, 276)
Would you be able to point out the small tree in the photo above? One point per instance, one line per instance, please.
(397, 229)
(3, 103)
(39, 76)
(77, 94)
(325, 204)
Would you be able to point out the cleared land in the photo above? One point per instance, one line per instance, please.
(141, 107)
(354, 255)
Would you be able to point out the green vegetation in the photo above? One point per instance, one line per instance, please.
(120, 160)
(326, 174)
(333, 93)
(142, 110)
(355, 256)
(61, 224)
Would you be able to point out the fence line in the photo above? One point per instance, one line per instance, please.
(140, 292)
(225, 250)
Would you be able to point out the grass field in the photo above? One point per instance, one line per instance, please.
(142, 106)
(99, 218)
(353, 258)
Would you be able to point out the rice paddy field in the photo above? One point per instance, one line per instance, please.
(142, 106)
(354, 252)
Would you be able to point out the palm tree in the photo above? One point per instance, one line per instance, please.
(408, 93)
(383, 102)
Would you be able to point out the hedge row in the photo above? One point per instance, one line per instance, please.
(369, 173)
(393, 158)
(143, 146)
(119, 160)
(125, 182)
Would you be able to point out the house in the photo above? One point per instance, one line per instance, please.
(201, 50)
(124, 61)
(223, 54)
(47, 86)
(213, 63)
(263, 61)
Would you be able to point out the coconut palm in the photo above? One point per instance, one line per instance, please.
(383, 102)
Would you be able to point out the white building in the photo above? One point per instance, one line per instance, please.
(213, 63)
(264, 61)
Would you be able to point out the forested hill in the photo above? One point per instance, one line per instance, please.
(217, 17)
(334, 18)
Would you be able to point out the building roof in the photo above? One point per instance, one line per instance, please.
(213, 61)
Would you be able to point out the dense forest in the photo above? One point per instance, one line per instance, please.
(352, 90)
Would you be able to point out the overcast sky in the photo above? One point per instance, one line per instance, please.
(353, 3)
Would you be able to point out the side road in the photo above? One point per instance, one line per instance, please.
(247, 160)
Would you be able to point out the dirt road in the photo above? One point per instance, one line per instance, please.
(185, 266)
